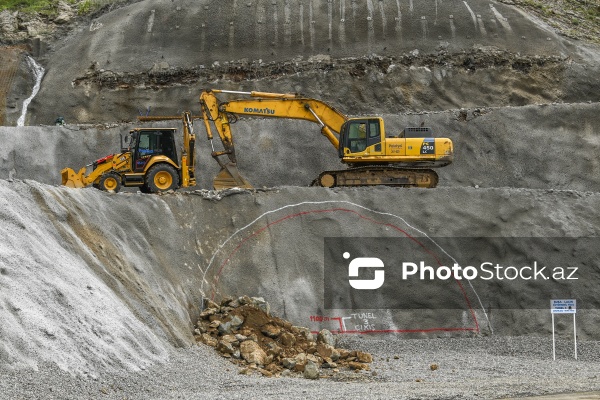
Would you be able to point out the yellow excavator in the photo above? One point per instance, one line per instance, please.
(374, 156)
(148, 160)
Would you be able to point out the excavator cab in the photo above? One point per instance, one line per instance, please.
(357, 135)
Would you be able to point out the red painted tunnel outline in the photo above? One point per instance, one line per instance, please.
(387, 224)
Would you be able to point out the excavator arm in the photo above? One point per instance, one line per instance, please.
(261, 104)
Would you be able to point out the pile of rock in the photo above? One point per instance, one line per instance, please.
(243, 330)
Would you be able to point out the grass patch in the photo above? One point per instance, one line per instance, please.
(49, 7)
(39, 6)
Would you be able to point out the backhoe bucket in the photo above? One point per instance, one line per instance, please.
(229, 177)
(72, 179)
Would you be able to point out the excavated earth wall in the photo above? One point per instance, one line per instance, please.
(70, 255)
(93, 280)
(552, 146)
(362, 56)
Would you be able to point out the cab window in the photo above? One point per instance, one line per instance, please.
(357, 136)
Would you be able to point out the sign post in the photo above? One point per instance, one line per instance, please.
(563, 307)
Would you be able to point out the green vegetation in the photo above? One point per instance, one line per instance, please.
(49, 7)
(39, 6)
(84, 7)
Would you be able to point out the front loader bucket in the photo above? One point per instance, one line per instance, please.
(72, 179)
(229, 177)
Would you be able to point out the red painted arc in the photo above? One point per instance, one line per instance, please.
(387, 224)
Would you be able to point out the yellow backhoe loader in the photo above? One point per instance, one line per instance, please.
(374, 156)
(148, 160)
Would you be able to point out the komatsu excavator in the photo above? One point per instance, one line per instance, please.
(374, 156)
(148, 160)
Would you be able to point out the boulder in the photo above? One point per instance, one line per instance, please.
(287, 339)
(326, 337)
(65, 13)
(252, 353)
(225, 347)
(364, 357)
(230, 325)
(289, 363)
(8, 21)
(271, 331)
(311, 370)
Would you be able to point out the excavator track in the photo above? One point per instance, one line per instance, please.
(378, 175)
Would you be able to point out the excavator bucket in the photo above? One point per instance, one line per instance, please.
(72, 179)
(229, 177)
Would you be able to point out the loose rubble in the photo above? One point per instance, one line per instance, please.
(244, 331)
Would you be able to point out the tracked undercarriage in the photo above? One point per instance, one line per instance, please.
(378, 175)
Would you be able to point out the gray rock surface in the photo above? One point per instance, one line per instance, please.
(71, 252)
(369, 57)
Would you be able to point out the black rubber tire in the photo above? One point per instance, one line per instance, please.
(162, 177)
(110, 182)
(144, 189)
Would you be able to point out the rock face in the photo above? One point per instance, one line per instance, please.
(271, 345)
(489, 141)
(137, 266)
(8, 21)
(64, 13)
(423, 56)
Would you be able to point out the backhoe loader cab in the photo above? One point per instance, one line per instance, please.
(144, 143)
(126, 141)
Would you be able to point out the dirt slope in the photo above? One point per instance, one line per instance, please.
(149, 259)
